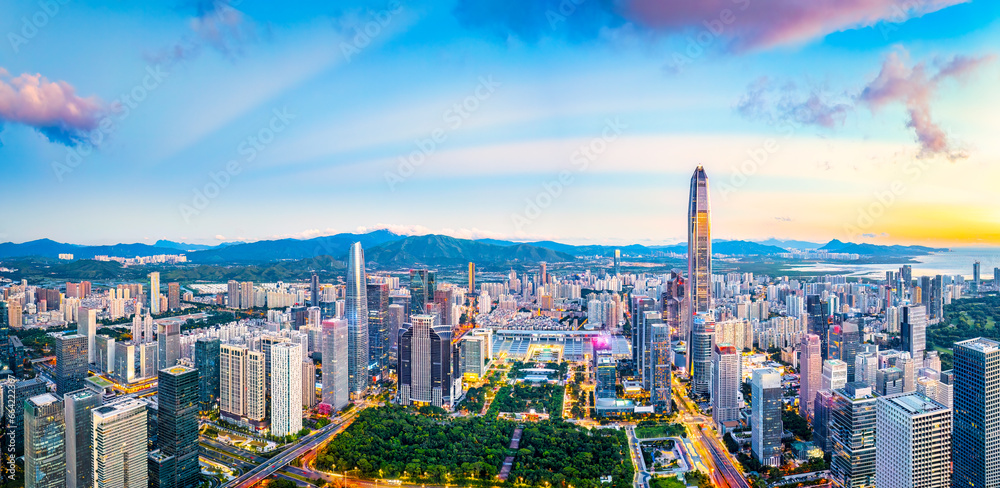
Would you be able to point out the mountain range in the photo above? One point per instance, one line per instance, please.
(385, 248)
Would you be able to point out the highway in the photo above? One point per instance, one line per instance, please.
(720, 465)
(306, 444)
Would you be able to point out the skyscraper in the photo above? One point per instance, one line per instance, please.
(659, 395)
(45, 442)
(206, 359)
(241, 383)
(378, 333)
(975, 277)
(816, 322)
(71, 362)
(356, 313)
(699, 244)
(426, 363)
(422, 286)
(975, 443)
(725, 384)
(154, 292)
(702, 340)
(168, 338)
(699, 272)
(79, 441)
(811, 369)
(850, 346)
(336, 384)
(765, 417)
(472, 278)
(86, 325)
(914, 442)
(314, 290)
(852, 435)
(120, 445)
(173, 295)
(286, 397)
(822, 407)
(177, 428)
(834, 374)
(912, 329)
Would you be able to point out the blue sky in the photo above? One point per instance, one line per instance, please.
(258, 120)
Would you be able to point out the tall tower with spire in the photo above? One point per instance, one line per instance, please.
(699, 272)
(356, 313)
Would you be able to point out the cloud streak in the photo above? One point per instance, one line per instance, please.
(914, 87)
(753, 24)
(52, 108)
(216, 25)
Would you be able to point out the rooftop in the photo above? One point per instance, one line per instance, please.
(915, 403)
(980, 344)
(43, 399)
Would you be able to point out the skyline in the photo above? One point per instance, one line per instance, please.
(848, 107)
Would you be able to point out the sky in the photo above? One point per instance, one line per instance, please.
(573, 120)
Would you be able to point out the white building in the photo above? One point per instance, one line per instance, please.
(120, 449)
(834, 374)
(335, 377)
(725, 383)
(286, 394)
(913, 446)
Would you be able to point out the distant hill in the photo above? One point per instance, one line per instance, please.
(51, 249)
(262, 251)
(791, 244)
(181, 246)
(877, 250)
(436, 250)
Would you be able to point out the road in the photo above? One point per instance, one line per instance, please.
(721, 466)
(306, 444)
(641, 479)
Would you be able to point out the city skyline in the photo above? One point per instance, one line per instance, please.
(648, 90)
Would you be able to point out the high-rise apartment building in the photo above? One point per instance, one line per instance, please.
(286, 396)
(765, 418)
(914, 442)
(662, 368)
(725, 384)
(975, 441)
(45, 442)
(336, 385)
(242, 390)
(811, 372)
(356, 314)
(120, 445)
